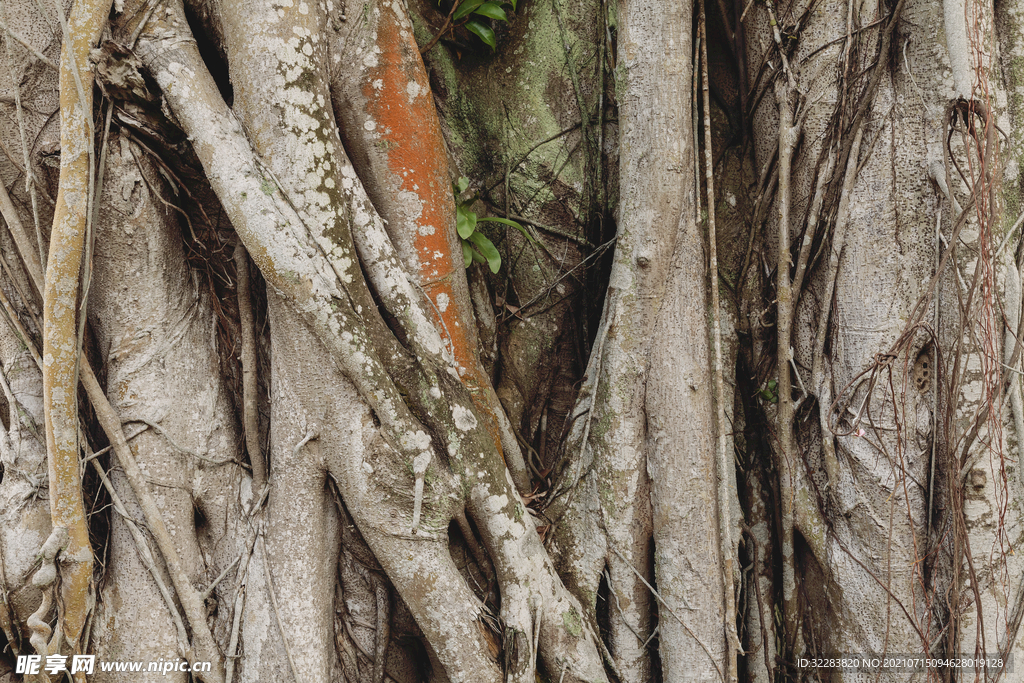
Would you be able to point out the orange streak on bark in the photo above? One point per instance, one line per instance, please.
(410, 135)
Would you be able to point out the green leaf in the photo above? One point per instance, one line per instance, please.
(465, 221)
(486, 248)
(461, 186)
(467, 253)
(505, 221)
(483, 31)
(466, 8)
(513, 2)
(491, 11)
(477, 257)
(769, 393)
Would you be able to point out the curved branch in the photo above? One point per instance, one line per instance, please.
(390, 127)
(308, 261)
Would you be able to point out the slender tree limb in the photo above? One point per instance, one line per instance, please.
(814, 215)
(788, 456)
(11, 316)
(206, 649)
(240, 590)
(382, 628)
(818, 383)
(28, 46)
(444, 27)
(250, 422)
(29, 252)
(668, 608)
(277, 610)
(724, 462)
(60, 304)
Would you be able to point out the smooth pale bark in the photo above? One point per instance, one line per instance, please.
(60, 311)
(646, 423)
(155, 332)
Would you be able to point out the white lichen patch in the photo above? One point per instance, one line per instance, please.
(495, 503)
(420, 463)
(499, 522)
(418, 440)
(464, 418)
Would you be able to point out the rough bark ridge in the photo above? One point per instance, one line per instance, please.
(870, 448)
(517, 476)
(644, 424)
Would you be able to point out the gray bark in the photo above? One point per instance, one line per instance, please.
(876, 474)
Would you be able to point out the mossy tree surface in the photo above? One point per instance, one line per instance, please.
(367, 462)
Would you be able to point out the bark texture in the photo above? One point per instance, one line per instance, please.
(362, 461)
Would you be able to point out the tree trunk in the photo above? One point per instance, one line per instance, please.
(363, 461)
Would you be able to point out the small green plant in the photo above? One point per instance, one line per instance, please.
(466, 12)
(479, 8)
(475, 245)
(770, 392)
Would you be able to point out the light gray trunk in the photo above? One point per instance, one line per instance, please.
(155, 334)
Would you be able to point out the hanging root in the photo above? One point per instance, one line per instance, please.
(45, 577)
(250, 422)
(419, 468)
(724, 460)
(71, 221)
